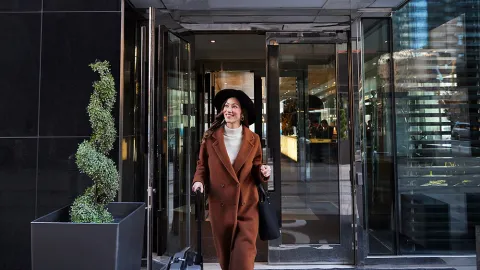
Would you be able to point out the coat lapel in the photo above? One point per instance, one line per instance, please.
(245, 149)
(221, 151)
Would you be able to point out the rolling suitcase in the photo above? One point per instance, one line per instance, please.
(190, 258)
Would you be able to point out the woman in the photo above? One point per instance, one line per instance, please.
(229, 167)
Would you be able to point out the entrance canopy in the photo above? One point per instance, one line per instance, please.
(264, 15)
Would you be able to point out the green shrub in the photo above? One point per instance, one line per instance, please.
(343, 124)
(91, 156)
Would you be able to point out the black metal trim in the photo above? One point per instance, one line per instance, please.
(212, 95)
(200, 106)
(162, 148)
(273, 118)
(257, 95)
(142, 145)
(141, 129)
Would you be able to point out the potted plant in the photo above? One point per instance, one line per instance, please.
(94, 232)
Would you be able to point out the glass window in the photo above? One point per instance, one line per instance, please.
(378, 137)
(436, 56)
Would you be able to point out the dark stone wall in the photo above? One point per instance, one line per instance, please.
(46, 84)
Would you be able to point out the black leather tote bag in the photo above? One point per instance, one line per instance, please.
(268, 222)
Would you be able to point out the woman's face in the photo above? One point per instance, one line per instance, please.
(232, 111)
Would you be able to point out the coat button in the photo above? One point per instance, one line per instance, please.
(223, 185)
(221, 204)
(243, 203)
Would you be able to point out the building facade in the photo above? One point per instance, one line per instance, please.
(371, 123)
(47, 82)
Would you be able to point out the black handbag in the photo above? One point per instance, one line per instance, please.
(269, 228)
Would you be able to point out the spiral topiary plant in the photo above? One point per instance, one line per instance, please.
(91, 156)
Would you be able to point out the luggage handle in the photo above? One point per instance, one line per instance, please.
(199, 207)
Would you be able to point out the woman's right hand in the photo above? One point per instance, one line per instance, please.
(197, 185)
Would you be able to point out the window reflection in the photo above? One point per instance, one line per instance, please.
(437, 121)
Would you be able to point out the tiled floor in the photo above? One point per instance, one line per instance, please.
(332, 267)
(260, 266)
(215, 266)
(266, 266)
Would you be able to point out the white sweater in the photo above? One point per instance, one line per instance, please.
(233, 141)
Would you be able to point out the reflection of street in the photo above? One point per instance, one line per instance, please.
(453, 171)
(439, 184)
(464, 148)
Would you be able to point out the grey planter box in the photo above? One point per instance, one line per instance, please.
(58, 244)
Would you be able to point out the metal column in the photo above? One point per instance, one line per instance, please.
(150, 133)
(351, 117)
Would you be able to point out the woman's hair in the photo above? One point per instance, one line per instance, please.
(220, 121)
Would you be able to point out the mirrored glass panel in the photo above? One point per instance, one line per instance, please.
(437, 97)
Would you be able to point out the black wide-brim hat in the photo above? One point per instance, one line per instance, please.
(245, 102)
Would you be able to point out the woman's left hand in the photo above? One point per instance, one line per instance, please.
(265, 170)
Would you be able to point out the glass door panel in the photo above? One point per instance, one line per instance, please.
(312, 183)
(378, 143)
(178, 137)
(308, 143)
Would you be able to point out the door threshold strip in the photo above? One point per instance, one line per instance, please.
(259, 266)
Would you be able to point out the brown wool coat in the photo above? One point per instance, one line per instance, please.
(233, 197)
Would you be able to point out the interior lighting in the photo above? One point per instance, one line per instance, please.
(212, 41)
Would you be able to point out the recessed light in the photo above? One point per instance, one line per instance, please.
(212, 41)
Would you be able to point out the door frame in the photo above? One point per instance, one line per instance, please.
(345, 252)
(152, 76)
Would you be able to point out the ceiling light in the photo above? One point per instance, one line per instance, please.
(212, 41)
